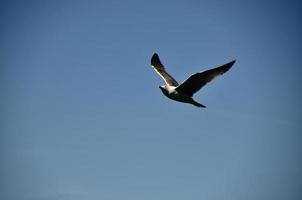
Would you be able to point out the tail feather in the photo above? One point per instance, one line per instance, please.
(198, 104)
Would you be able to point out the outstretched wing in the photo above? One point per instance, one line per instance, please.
(196, 81)
(160, 69)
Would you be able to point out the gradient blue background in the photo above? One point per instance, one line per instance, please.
(82, 116)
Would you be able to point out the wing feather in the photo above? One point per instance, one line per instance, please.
(160, 70)
(196, 81)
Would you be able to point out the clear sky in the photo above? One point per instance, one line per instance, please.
(82, 116)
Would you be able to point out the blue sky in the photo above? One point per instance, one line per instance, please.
(83, 117)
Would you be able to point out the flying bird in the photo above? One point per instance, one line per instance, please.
(184, 92)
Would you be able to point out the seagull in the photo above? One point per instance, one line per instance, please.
(184, 92)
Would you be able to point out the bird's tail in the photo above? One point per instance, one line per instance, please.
(198, 104)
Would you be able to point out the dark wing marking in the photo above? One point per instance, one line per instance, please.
(196, 81)
(160, 69)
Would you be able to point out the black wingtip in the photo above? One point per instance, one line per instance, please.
(232, 62)
(228, 65)
(155, 59)
(155, 54)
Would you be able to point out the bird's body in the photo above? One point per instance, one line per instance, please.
(172, 93)
(184, 92)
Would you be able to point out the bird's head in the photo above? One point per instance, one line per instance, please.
(163, 88)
